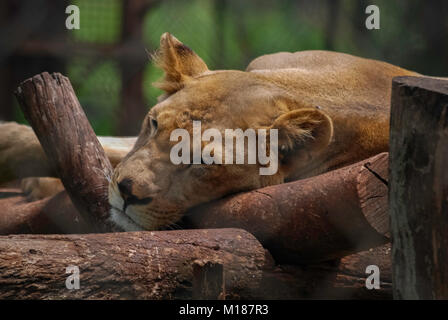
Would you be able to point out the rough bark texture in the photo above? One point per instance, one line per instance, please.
(187, 264)
(50, 105)
(419, 188)
(316, 219)
(133, 265)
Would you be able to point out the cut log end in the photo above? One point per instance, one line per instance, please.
(372, 186)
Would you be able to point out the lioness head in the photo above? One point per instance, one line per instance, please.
(148, 191)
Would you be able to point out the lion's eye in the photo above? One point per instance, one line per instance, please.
(154, 125)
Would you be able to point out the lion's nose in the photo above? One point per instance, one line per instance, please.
(125, 187)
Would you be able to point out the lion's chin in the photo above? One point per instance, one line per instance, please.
(124, 222)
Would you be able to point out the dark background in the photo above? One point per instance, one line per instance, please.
(107, 63)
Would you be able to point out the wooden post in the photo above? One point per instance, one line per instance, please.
(419, 188)
(50, 105)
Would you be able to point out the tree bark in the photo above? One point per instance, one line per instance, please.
(187, 264)
(316, 219)
(53, 110)
(419, 188)
(225, 263)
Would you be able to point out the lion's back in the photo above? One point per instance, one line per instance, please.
(355, 92)
(315, 60)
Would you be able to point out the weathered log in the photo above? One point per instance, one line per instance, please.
(133, 265)
(419, 188)
(316, 219)
(187, 264)
(51, 107)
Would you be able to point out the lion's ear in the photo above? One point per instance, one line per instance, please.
(179, 62)
(306, 129)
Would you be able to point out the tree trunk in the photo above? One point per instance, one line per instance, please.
(50, 105)
(419, 188)
(315, 219)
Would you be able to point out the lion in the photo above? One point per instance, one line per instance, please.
(330, 110)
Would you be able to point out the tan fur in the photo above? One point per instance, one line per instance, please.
(39, 188)
(21, 155)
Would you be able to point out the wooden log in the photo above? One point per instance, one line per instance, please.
(132, 265)
(186, 264)
(316, 219)
(51, 107)
(419, 188)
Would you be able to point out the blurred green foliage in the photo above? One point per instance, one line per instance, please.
(227, 34)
